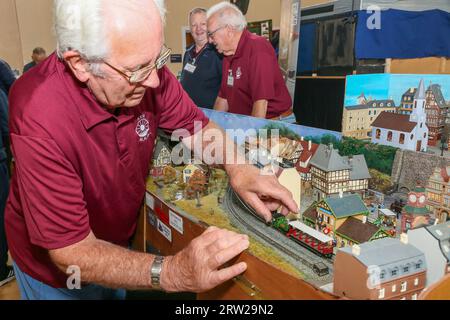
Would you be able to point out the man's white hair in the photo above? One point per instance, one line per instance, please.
(228, 13)
(79, 25)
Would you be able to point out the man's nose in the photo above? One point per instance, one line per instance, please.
(152, 80)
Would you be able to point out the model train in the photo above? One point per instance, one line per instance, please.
(299, 232)
(304, 235)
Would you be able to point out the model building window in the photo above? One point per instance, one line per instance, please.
(378, 134)
(419, 264)
(412, 137)
(381, 294)
(402, 138)
(394, 272)
(414, 296)
(404, 286)
(406, 268)
(389, 137)
(382, 274)
(416, 282)
(394, 288)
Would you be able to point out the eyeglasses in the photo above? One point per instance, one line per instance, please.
(143, 73)
(211, 34)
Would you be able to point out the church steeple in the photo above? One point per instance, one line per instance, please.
(418, 114)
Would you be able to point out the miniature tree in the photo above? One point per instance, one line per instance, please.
(170, 175)
(197, 185)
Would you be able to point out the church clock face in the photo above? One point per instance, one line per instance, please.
(412, 198)
(422, 199)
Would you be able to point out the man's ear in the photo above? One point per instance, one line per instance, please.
(78, 65)
(230, 31)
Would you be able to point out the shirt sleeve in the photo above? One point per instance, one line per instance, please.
(3, 115)
(51, 193)
(7, 76)
(178, 111)
(262, 77)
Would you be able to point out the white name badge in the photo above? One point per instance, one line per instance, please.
(190, 68)
(230, 81)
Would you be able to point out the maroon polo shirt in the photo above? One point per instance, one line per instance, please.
(78, 167)
(256, 76)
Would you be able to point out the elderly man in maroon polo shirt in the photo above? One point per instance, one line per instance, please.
(83, 126)
(252, 83)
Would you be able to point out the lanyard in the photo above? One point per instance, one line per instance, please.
(194, 60)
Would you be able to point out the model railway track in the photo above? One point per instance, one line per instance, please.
(233, 198)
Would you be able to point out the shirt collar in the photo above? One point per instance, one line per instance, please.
(242, 44)
(91, 111)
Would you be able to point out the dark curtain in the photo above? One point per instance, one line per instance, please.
(335, 46)
(319, 103)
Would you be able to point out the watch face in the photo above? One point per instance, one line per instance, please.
(422, 199)
(412, 198)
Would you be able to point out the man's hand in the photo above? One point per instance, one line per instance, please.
(262, 192)
(197, 268)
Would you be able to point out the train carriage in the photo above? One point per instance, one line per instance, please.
(311, 238)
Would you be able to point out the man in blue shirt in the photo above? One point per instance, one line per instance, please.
(6, 272)
(202, 64)
(7, 77)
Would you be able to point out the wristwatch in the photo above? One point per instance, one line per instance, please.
(155, 272)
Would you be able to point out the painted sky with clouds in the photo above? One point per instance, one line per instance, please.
(390, 86)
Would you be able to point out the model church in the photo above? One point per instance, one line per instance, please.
(404, 131)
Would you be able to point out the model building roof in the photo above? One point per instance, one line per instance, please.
(420, 94)
(359, 169)
(388, 213)
(416, 211)
(393, 258)
(160, 145)
(394, 121)
(373, 104)
(302, 165)
(308, 153)
(438, 96)
(328, 159)
(348, 205)
(410, 92)
(310, 213)
(441, 233)
(288, 148)
(357, 230)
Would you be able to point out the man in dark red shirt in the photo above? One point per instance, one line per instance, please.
(252, 83)
(83, 125)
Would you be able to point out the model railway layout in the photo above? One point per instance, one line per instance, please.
(319, 250)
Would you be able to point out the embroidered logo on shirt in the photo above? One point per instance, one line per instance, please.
(238, 73)
(143, 128)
